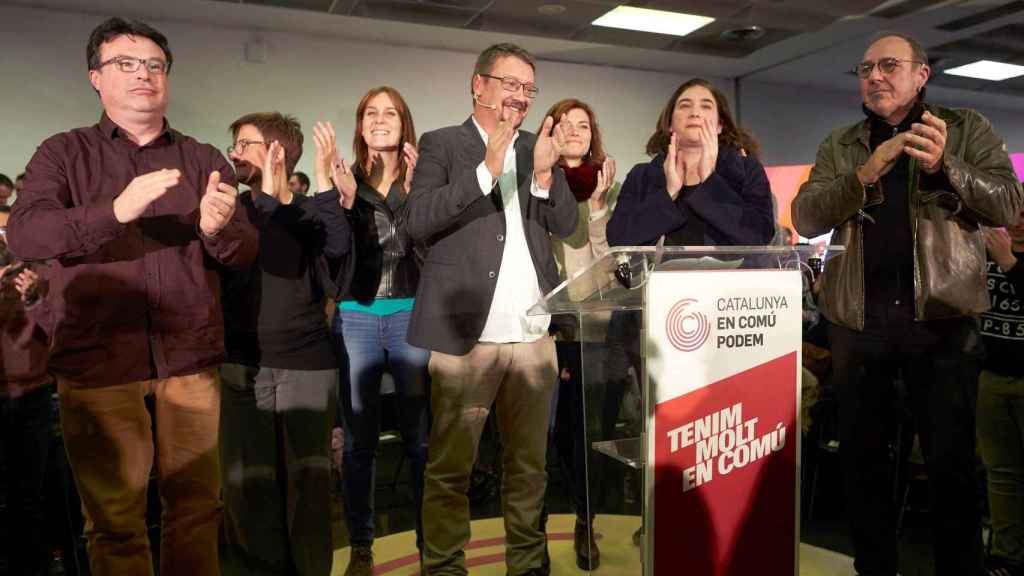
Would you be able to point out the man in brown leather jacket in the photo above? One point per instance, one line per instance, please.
(905, 191)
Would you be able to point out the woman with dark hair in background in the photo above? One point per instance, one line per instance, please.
(373, 315)
(591, 176)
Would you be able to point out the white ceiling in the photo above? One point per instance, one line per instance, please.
(809, 42)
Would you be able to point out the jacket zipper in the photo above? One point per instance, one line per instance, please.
(912, 184)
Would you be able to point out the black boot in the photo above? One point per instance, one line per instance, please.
(588, 557)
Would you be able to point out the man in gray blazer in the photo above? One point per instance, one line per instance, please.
(485, 197)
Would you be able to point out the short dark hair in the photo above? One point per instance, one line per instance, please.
(114, 27)
(5, 209)
(485, 61)
(5, 181)
(275, 126)
(303, 179)
(19, 177)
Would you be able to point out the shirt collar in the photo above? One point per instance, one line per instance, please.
(111, 130)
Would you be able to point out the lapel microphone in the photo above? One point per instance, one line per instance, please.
(476, 97)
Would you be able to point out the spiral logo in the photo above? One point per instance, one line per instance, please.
(686, 331)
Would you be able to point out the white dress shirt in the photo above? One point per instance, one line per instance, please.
(517, 286)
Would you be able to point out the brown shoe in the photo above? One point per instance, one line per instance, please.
(361, 562)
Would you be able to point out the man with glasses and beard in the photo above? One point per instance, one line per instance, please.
(485, 198)
(907, 190)
(136, 217)
(298, 183)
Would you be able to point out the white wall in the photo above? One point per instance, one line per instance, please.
(45, 87)
(791, 121)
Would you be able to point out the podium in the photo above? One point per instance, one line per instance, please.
(691, 369)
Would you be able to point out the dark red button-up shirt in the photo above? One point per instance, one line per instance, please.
(127, 302)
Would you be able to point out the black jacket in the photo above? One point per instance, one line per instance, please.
(387, 264)
(733, 207)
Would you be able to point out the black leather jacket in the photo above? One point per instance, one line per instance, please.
(386, 263)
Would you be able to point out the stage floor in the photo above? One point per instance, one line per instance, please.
(396, 555)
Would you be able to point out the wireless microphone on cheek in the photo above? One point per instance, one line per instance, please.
(476, 97)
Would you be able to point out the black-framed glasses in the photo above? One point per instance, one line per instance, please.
(240, 146)
(512, 85)
(128, 64)
(885, 66)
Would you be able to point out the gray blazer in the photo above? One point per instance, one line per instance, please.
(464, 231)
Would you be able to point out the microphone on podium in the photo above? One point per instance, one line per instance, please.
(476, 98)
(623, 273)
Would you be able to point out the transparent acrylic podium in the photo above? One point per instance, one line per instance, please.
(607, 303)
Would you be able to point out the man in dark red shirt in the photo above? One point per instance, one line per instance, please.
(137, 218)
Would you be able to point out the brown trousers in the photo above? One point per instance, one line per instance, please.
(109, 441)
(518, 379)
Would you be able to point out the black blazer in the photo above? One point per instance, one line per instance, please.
(464, 232)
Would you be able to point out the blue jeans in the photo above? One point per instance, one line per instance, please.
(368, 346)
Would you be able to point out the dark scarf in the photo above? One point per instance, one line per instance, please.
(582, 179)
(882, 130)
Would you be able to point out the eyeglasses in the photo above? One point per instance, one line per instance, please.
(885, 66)
(512, 85)
(127, 64)
(240, 146)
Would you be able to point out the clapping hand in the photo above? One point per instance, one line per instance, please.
(330, 167)
(675, 171)
(217, 205)
(549, 148)
(883, 158)
(273, 168)
(411, 156)
(927, 142)
(497, 145)
(1000, 247)
(605, 178)
(142, 191)
(708, 150)
(27, 285)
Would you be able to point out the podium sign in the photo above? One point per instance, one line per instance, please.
(723, 368)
